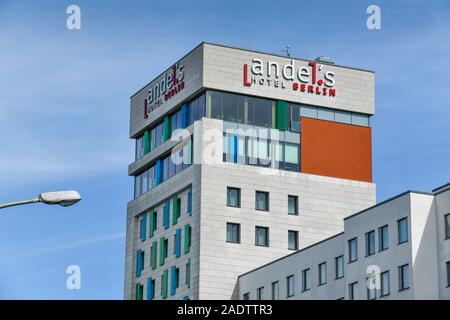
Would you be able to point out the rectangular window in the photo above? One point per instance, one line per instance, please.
(370, 243)
(262, 201)
(177, 243)
(151, 288)
(153, 254)
(305, 279)
(322, 273)
(166, 218)
(352, 250)
(293, 205)
(403, 277)
(290, 286)
(371, 288)
(233, 197)
(153, 223)
(233, 232)
(260, 293)
(339, 265)
(352, 290)
(187, 237)
(448, 273)
(447, 226)
(402, 230)
(139, 291)
(275, 290)
(143, 227)
(246, 296)
(325, 114)
(383, 237)
(385, 283)
(188, 273)
(292, 240)
(262, 236)
(189, 202)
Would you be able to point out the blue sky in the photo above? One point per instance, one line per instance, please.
(64, 111)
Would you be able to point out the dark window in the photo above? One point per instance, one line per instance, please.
(305, 280)
(383, 236)
(293, 205)
(403, 277)
(402, 230)
(290, 289)
(352, 287)
(259, 112)
(262, 201)
(447, 226)
(246, 296)
(262, 236)
(322, 273)
(352, 249)
(233, 197)
(260, 293)
(275, 290)
(448, 273)
(385, 284)
(370, 243)
(233, 233)
(292, 240)
(339, 265)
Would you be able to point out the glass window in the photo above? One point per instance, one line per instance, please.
(352, 250)
(447, 226)
(403, 277)
(215, 99)
(322, 273)
(144, 177)
(383, 235)
(370, 243)
(246, 296)
(339, 265)
(293, 205)
(310, 112)
(262, 201)
(352, 290)
(325, 114)
(233, 233)
(171, 164)
(360, 119)
(233, 107)
(137, 186)
(402, 230)
(139, 147)
(292, 240)
(448, 273)
(291, 158)
(290, 286)
(262, 236)
(260, 112)
(295, 113)
(275, 290)
(385, 283)
(260, 293)
(305, 279)
(165, 169)
(371, 288)
(233, 197)
(343, 117)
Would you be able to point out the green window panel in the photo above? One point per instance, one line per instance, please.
(167, 129)
(139, 291)
(175, 210)
(164, 283)
(187, 238)
(188, 273)
(147, 139)
(162, 251)
(152, 225)
(281, 115)
(153, 254)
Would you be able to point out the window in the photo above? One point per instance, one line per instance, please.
(233, 197)
(352, 290)
(448, 273)
(370, 243)
(291, 157)
(305, 279)
(151, 283)
(262, 201)
(262, 236)
(246, 296)
(383, 237)
(293, 205)
(352, 250)
(322, 273)
(188, 273)
(325, 114)
(233, 233)
(371, 288)
(275, 290)
(402, 230)
(339, 264)
(292, 240)
(290, 286)
(403, 277)
(447, 226)
(385, 284)
(260, 293)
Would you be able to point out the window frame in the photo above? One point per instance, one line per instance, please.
(401, 277)
(350, 250)
(381, 243)
(321, 281)
(306, 285)
(351, 289)
(238, 190)
(267, 236)
(399, 233)
(447, 226)
(267, 201)
(388, 284)
(296, 205)
(288, 278)
(275, 284)
(336, 264)
(238, 232)
(295, 232)
(369, 250)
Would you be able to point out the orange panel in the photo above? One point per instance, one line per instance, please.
(336, 149)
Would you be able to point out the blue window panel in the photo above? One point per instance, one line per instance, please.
(138, 263)
(184, 116)
(150, 289)
(185, 298)
(158, 172)
(167, 215)
(235, 149)
(178, 243)
(173, 288)
(143, 224)
(189, 205)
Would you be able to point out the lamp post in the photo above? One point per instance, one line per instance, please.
(63, 198)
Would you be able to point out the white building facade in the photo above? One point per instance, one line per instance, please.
(242, 158)
(398, 249)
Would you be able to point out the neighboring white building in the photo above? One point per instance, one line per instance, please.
(397, 249)
(276, 153)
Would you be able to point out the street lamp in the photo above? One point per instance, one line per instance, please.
(63, 198)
